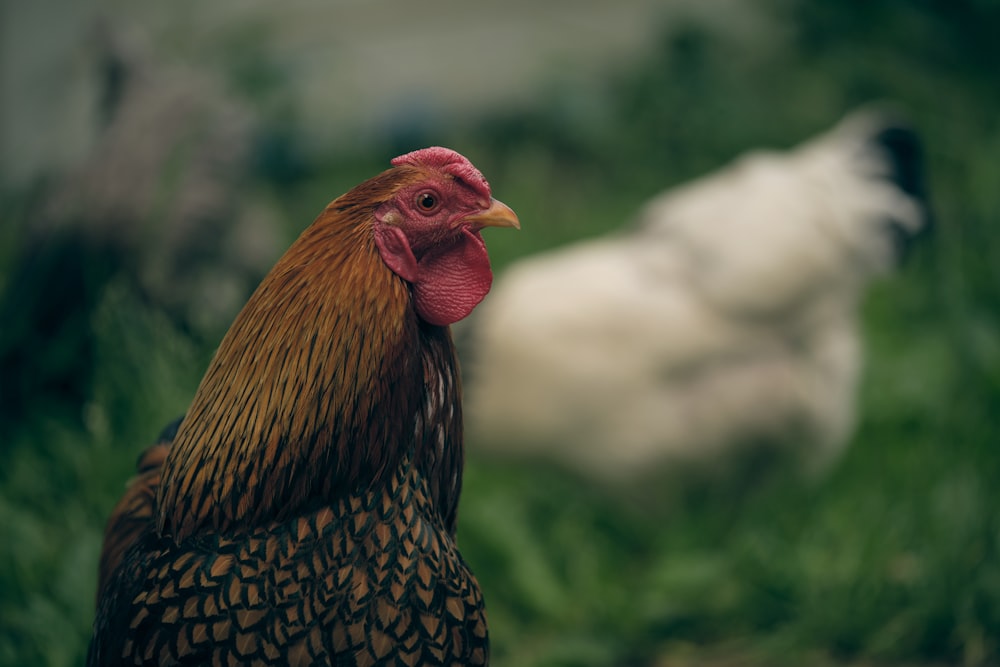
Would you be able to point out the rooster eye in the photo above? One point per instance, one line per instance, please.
(427, 202)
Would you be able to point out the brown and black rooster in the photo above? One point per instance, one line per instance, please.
(305, 509)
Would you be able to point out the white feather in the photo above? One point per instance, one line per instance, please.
(728, 314)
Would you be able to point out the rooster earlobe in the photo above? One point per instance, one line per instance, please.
(395, 251)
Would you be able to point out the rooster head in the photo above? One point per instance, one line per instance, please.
(428, 232)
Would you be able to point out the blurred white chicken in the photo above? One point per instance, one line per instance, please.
(724, 319)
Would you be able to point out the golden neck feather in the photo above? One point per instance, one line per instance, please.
(322, 385)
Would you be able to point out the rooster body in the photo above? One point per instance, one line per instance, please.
(306, 510)
(372, 577)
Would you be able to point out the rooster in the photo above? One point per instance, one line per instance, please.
(722, 326)
(305, 510)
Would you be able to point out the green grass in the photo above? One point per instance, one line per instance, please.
(892, 559)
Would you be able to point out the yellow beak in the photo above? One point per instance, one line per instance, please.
(497, 215)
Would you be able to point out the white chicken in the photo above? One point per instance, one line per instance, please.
(726, 318)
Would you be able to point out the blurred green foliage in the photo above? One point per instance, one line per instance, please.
(894, 558)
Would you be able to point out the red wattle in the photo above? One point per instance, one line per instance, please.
(453, 280)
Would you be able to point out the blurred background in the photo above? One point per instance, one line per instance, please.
(156, 159)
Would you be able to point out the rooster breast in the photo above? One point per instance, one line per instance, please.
(375, 575)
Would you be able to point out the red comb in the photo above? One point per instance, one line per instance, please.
(450, 162)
